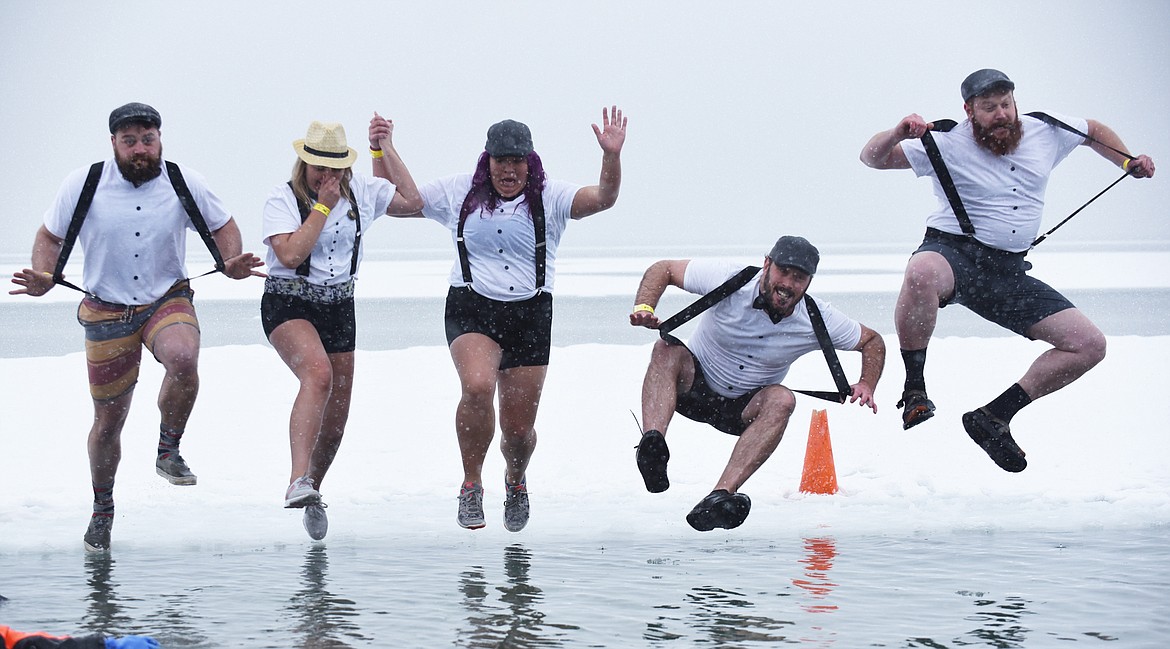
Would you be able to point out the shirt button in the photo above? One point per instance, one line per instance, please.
(499, 231)
(505, 267)
(139, 208)
(511, 288)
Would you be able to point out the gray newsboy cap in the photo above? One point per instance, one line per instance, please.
(134, 112)
(980, 81)
(796, 252)
(508, 138)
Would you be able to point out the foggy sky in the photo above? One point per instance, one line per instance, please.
(745, 118)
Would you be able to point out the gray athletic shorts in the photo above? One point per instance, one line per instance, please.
(993, 283)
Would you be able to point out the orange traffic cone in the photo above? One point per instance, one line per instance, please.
(820, 474)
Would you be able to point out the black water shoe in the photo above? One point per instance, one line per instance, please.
(917, 408)
(652, 457)
(720, 509)
(993, 436)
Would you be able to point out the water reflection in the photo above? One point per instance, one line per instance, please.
(515, 621)
(323, 620)
(817, 563)
(726, 616)
(103, 610)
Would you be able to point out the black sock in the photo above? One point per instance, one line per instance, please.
(915, 361)
(168, 440)
(1006, 405)
(103, 498)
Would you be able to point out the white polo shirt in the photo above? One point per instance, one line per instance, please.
(332, 254)
(501, 245)
(738, 345)
(134, 238)
(1003, 195)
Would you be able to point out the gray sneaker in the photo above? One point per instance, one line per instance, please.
(516, 506)
(316, 522)
(471, 506)
(172, 467)
(97, 536)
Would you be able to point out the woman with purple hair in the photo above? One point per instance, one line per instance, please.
(506, 220)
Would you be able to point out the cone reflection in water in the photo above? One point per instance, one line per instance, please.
(820, 474)
(817, 564)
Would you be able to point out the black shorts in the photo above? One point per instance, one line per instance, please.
(702, 404)
(335, 322)
(993, 283)
(523, 329)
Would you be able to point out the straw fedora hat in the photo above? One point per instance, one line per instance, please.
(324, 145)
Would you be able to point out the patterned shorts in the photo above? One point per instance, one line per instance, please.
(115, 334)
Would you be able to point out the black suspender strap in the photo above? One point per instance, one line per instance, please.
(1052, 121)
(535, 210)
(79, 212)
(303, 208)
(944, 175)
(738, 281)
(822, 332)
(357, 239)
(188, 203)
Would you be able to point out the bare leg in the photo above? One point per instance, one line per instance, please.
(177, 348)
(299, 346)
(477, 361)
(928, 279)
(768, 413)
(336, 416)
(105, 437)
(520, 390)
(1077, 346)
(671, 371)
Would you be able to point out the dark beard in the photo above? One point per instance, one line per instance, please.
(998, 146)
(140, 169)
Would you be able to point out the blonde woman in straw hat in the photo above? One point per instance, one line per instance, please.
(313, 226)
(506, 220)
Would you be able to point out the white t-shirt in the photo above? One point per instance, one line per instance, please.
(501, 245)
(134, 238)
(738, 345)
(1003, 195)
(332, 254)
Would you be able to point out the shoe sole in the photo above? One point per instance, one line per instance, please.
(303, 501)
(477, 525)
(999, 449)
(183, 481)
(919, 414)
(94, 549)
(728, 514)
(652, 456)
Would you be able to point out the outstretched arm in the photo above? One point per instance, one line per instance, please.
(660, 274)
(389, 165)
(1141, 166)
(37, 281)
(884, 150)
(873, 361)
(611, 136)
(236, 264)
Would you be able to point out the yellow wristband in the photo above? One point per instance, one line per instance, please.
(1125, 165)
(376, 153)
(320, 207)
(643, 307)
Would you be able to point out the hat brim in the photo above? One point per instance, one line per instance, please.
(325, 161)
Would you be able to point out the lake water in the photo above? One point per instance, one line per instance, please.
(50, 328)
(1100, 587)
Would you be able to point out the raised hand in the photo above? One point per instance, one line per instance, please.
(612, 133)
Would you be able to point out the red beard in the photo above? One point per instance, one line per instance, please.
(999, 146)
